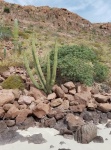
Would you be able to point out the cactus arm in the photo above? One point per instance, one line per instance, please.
(54, 65)
(48, 74)
(37, 65)
(30, 73)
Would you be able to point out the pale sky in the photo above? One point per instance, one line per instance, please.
(92, 10)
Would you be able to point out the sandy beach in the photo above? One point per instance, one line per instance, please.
(58, 142)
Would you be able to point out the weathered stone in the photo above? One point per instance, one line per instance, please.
(56, 102)
(6, 74)
(3, 126)
(37, 94)
(87, 116)
(41, 110)
(2, 112)
(108, 125)
(21, 117)
(86, 133)
(6, 98)
(73, 92)
(10, 123)
(59, 92)
(104, 107)
(109, 115)
(70, 85)
(25, 100)
(103, 118)
(32, 106)
(101, 98)
(65, 90)
(24, 106)
(6, 107)
(12, 112)
(92, 104)
(59, 115)
(51, 96)
(78, 108)
(52, 113)
(98, 139)
(50, 122)
(36, 139)
(83, 97)
(73, 122)
(69, 97)
(64, 105)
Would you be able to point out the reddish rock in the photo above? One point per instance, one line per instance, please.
(12, 112)
(70, 85)
(101, 98)
(59, 92)
(73, 92)
(32, 106)
(6, 107)
(24, 106)
(37, 94)
(25, 100)
(74, 122)
(21, 117)
(51, 96)
(2, 112)
(64, 105)
(78, 108)
(16, 104)
(104, 107)
(92, 104)
(41, 110)
(56, 102)
(83, 97)
(6, 74)
(69, 97)
(6, 98)
(65, 90)
(52, 113)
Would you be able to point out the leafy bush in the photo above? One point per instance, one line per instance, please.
(79, 63)
(13, 82)
(101, 72)
(7, 10)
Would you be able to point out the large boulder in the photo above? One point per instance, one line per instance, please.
(86, 133)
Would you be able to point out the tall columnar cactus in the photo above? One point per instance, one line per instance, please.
(15, 34)
(47, 83)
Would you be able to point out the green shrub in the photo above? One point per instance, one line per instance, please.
(101, 72)
(76, 69)
(7, 10)
(79, 63)
(13, 82)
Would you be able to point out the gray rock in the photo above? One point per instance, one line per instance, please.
(86, 133)
(36, 139)
(103, 118)
(3, 126)
(98, 139)
(108, 125)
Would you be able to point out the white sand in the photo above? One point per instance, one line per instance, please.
(48, 134)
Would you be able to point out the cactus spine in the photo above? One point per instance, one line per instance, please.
(45, 84)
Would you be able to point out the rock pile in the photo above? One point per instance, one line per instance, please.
(68, 109)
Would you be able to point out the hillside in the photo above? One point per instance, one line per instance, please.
(49, 23)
